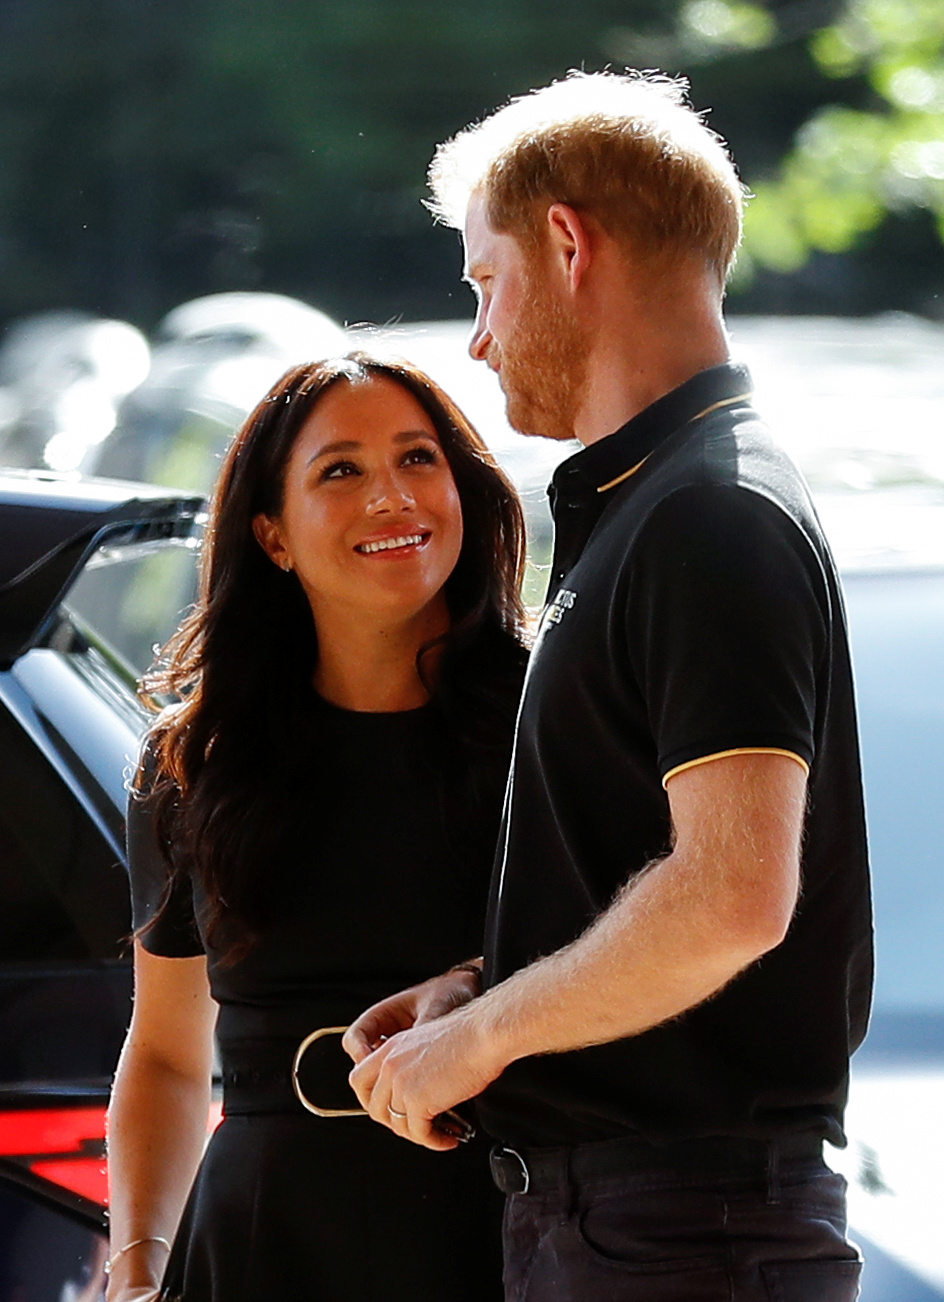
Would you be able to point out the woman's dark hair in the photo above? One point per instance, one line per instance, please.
(242, 660)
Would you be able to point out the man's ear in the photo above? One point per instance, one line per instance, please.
(269, 537)
(569, 242)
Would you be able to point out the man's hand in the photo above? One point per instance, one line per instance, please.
(418, 1074)
(413, 1007)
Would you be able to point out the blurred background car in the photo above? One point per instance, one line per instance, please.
(62, 378)
(211, 362)
(857, 403)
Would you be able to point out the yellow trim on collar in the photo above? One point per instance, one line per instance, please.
(625, 475)
(715, 406)
(738, 750)
(724, 402)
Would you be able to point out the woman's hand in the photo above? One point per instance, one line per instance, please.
(413, 1007)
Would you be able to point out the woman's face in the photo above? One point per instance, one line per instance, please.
(371, 518)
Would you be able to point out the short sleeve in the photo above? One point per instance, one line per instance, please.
(174, 934)
(727, 625)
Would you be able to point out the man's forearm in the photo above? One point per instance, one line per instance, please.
(659, 950)
(679, 931)
(673, 937)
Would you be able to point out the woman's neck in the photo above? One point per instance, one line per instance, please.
(369, 666)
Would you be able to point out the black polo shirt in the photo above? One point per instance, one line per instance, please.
(694, 610)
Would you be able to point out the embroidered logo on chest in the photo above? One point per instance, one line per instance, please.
(559, 607)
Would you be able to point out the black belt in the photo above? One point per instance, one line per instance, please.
(283, 1075)
(539, 1170)
(278, 1076)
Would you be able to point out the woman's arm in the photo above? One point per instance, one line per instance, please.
(158, 1116)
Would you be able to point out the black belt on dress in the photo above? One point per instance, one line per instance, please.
(259, 1076)
(273, 1076)
(540, 1170)
(258, 1046)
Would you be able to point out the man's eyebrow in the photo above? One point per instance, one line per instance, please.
(352, 445)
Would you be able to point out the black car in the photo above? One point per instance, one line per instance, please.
(83, 566)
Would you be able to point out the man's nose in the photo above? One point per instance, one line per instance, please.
(480, 339)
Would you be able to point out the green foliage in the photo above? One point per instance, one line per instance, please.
(155, 150)
(850, 167)
(713, 24)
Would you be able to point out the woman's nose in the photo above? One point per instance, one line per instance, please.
(390, 493)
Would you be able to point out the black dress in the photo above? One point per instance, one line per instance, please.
(380, 881)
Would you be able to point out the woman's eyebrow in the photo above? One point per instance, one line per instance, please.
(352, 445)
(344, 445)
(408, 435)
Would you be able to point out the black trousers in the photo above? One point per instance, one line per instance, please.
(776, 1233)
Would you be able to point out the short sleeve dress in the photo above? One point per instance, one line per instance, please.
(380, 880)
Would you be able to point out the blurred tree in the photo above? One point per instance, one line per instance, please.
(155, 150)
(856, 167)
(151, 152)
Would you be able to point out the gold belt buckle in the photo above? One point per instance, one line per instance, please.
(451, 1123)
(300, 1094)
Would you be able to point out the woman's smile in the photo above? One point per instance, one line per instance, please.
(395, 545)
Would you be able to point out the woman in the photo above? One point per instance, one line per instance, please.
(312, 829)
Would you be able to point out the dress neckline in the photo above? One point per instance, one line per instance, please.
(342, 712)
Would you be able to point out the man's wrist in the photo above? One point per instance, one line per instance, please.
(491, 1031)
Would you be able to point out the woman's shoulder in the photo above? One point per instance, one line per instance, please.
(150, 765)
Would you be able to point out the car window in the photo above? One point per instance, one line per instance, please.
(129, 600)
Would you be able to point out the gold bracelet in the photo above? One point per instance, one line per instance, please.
(148, 1238)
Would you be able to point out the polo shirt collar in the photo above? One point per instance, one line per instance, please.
(594, 468)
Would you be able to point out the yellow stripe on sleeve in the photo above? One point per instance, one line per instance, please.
(738, 750)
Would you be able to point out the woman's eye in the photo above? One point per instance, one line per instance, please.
(421, 456)
(339, 470)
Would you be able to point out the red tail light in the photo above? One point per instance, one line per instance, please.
(64, 1145)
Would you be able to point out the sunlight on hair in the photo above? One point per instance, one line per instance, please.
(651, 101)
(628, 147)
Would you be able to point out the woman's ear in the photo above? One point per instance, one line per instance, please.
(269, 537)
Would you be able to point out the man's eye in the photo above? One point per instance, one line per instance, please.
(339, 470)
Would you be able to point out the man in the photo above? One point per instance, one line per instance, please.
(678, 957)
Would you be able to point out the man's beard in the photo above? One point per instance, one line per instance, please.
(544, 366)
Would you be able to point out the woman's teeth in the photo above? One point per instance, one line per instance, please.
(387, 544)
